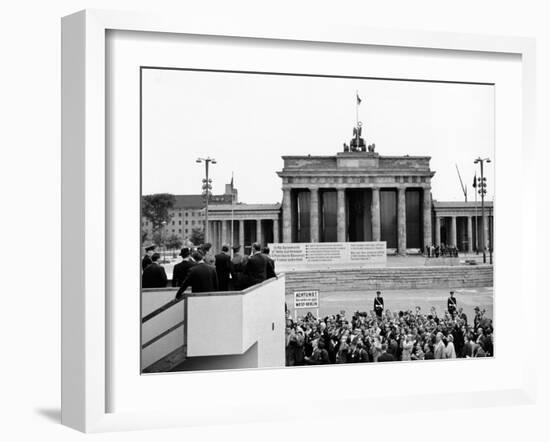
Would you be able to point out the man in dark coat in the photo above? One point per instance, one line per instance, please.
(270, 269)
(238, 264)
(154, 275)
(256, 269)
(378, 304)
(223, 268)
(181, 270)
(201, 277)
(146, 261)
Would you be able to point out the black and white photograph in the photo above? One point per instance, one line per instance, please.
(296, 220)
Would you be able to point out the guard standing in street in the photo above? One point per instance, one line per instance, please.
(451, 304)
(378, 304)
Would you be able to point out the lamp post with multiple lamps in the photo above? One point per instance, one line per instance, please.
(482, 190)
(206, 190)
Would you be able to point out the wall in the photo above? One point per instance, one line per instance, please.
(391, 278)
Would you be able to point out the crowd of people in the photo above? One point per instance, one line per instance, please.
(202, 271)
(442, 250)
(382, 335)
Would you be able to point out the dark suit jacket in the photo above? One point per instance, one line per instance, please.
(223, 269)
(201, 278)
(270, 270)
(256, 269)
(386, 357)
(153, 276)
(145, 262)
(181, 270)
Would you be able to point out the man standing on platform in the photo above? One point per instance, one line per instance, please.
(270, 269)
(181, 270)
(154, 275)
(378, 304)
(201, 277)
(256, 269)
(146, 261)
(223, 268)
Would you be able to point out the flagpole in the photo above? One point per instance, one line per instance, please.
(232, 214)
(357, 108)
(475, 211)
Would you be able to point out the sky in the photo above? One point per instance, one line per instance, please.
(248, 121)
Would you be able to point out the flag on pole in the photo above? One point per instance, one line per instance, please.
(475, 181)
(231, 182)
(358, 99)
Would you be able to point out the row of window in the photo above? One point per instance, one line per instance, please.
(146, 223)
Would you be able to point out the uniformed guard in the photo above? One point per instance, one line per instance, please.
(451, 304)
(149, 250)
(378, 304)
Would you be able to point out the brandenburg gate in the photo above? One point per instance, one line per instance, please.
(358, 195)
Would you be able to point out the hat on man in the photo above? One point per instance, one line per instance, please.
(236, 247)
(452, 292)
(148, 246)
(378, 292)
(185, 252)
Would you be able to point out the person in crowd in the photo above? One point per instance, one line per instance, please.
(182, 268)
(428, 351)
(201, 277)
(146, 261)
(450, 348)
(238, 264)
(206, 251)
(154, 275)
(270, 268)
(439, 347)
(256, 268)
(408, 345)
(378, 304)
(385, 356)
(451, 304)
(223, 268)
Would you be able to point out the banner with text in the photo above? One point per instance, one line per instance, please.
(328, 255)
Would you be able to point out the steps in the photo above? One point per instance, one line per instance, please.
(462, 276)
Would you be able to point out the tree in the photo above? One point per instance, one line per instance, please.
(174, 242)
(156, 209)
(197, 236)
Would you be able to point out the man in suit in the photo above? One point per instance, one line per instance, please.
(270, 269)
(451, 304)
(223, 268)
(201, 277)
(154, 275)
(238, 264)
(378, 304)
(181, 270)
(256, 269)
(146, 261)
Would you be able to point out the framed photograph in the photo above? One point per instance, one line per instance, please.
(251, 212)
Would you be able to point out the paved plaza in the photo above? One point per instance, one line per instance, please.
(395, 300)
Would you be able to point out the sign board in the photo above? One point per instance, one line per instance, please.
(306, 299)
(328, 255)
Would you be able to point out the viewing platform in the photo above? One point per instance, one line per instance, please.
(214, 330)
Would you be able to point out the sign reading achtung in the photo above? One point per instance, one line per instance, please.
(306, 299)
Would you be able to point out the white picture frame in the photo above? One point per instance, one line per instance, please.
(86, 352)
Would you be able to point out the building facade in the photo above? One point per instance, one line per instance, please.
(358, 196)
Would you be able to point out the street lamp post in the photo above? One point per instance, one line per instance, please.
(206, 190)
(482, 190)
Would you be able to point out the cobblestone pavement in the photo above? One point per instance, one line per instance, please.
(395, 300)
